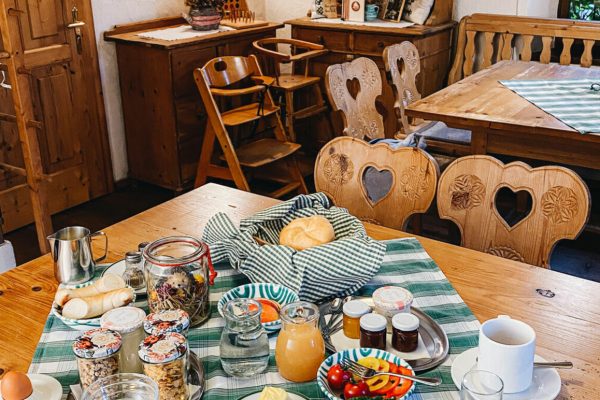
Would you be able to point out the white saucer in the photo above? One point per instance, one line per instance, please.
(545, 385)
(45, 387)
(118, 268)
(256, 396)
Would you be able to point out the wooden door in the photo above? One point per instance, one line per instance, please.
(61, 64)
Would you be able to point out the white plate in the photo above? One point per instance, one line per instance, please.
(290, 396)
(545, 385)
(118, 268)
(45, 387)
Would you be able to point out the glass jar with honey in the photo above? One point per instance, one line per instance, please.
(353, 310)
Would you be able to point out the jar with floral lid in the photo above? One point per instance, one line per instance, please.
(178, 274)
(164, 321)
(165, 361)
(97, 352)
(128, 322)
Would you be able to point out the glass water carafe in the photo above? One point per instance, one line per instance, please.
(244, 346)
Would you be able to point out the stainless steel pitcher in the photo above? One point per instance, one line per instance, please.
(71, 250)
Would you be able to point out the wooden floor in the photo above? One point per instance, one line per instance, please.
(580, 258)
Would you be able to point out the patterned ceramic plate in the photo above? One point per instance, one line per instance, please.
(78, 324)
(355, 355)
(270, 291)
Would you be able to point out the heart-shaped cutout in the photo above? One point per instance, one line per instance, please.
(513, 207)
(377, 183)
(353, 87)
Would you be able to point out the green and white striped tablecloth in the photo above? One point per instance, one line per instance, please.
(405, 264)
(571, 100)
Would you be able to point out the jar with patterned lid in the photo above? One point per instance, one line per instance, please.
(97, 352)
(128, 322)
(165, 361)
(178, 274)
(164, 321)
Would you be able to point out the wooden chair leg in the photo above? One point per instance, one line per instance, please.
(278, 129)
(326, 114)
(296, 174)
(234, 166)
(289, 111)
(208, 143)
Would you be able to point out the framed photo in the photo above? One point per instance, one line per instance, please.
(391, 10)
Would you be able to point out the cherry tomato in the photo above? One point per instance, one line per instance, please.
(337, 377)
(392, 383)
(355, 390)
(404, 385)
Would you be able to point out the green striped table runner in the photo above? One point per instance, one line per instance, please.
(405, 264)
(571, 100)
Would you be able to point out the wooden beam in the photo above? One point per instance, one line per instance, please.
(12, 118)
(12, 168)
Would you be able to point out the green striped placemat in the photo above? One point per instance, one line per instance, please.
(405, 264)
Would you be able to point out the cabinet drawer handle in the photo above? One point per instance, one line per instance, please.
(320, 40)
(381, 45)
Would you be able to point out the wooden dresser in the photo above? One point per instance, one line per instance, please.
(347, 42)
(164, 115)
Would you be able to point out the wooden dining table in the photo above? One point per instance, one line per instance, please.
(502, 122)
(567, 321)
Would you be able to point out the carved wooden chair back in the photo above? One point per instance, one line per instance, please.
(376, 183)
(403, 64)
(484, 39)
(360, 115)
(224, 71)
(467, 195)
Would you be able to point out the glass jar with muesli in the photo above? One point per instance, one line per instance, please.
(178, 275)
(164, 321)
(97, 352)
(165, 359)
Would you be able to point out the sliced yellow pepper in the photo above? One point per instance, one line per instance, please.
(378, 382)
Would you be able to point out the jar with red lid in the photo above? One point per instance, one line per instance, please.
(179, 272)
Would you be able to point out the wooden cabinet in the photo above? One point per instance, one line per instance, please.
(164, 115)
(347, 42)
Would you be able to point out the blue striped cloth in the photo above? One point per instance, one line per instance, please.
(572, 101)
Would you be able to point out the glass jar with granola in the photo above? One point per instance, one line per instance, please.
(97, 352)
(178, 274)
(165, 361)
(164, 321)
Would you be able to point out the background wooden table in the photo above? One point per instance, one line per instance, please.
(505, 123)
(567, 325)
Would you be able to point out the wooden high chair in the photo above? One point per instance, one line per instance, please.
(215, 80)
(290, 83)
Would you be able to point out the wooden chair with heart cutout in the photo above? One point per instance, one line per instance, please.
(376, 183)
(359, 112)
(560, 207)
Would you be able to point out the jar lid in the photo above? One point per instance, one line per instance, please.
(373, 322)
(133, 256)
(97, 343)
(356, 308)
(163, 348)
(405, 322)
(390, 298)
(164, 321)
(123, 319)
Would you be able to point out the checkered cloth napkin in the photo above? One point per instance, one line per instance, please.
(311, 272)
(405, 264)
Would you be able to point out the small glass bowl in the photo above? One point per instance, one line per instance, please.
(122, 386)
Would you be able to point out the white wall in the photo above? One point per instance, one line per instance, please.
(108, 13)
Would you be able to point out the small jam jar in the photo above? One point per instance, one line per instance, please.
(97, 352)
(391, 300)
(177, 321)
(353, 310)
(405, 333)
(373, 331)
(127, 321)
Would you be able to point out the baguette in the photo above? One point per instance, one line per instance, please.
(94, 306)
(107, 283)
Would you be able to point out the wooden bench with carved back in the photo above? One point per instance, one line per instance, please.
(484, 39)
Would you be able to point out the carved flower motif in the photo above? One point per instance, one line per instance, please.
(559, 204)
(414, 182)
(506, 252)
(339, 169)
(467, 192)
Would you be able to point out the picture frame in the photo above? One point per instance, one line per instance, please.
(391, 10)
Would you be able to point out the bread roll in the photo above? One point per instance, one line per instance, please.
(94, 306)
(303, 233)
(107, 283)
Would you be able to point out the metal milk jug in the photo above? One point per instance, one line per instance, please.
(71, 250)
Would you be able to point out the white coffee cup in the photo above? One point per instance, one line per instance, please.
(507, 348)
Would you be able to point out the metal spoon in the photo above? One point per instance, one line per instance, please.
(550, 364)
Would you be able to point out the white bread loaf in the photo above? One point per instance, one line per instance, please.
(306, 232)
